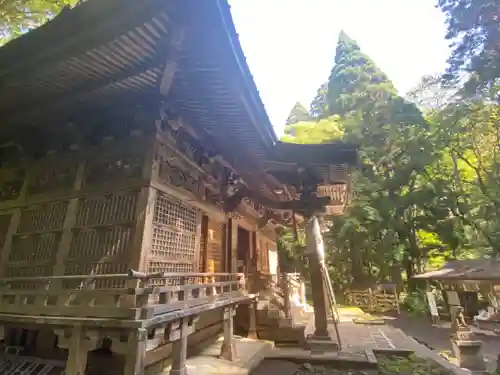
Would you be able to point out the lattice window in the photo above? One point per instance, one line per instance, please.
(168, 244)
(108, 209)
(95, 244)
(28, 271)
(43, 218)
(94, 268)
(173, 237)
(160, 266)
(34, 248)
(175, 214)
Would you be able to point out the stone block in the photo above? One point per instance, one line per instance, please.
(468, 354)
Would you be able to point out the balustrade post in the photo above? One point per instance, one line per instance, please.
(179, 337)
(77, 353)
(286, 295)
(252, 319)
(302, 291)
(228, 349)
(136, 352)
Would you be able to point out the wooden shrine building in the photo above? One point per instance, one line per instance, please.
(140, 184)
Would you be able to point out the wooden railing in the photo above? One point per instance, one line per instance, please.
(283, 289)
(132, 296)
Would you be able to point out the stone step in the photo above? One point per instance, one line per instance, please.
(293, 335)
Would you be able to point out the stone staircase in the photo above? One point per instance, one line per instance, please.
(281, 317)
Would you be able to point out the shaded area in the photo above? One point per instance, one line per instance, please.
(437, 338)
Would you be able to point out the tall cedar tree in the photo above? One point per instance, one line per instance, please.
(319, 106)
(297, 114)
(357, 83)
(393, 148)
(473, 27)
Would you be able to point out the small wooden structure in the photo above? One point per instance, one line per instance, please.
(141, 184)
(467, 279)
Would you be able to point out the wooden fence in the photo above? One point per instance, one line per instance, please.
(374, 300)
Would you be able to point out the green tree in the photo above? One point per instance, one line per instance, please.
(297, 114)
(19, 16)
(473, 28)
(319, 105)
(355, 80)
(325, 130)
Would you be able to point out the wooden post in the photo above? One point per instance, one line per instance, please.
(286, 294)
(77, 353)
(228, 349)
(315, 252)
(179, 349)
(252, 320)
(136, 352)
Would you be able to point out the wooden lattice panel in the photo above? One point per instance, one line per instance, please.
(43, 218)
(105, 210)
(168, 244)
(4, 228)
(174, 232)
(28, 270)
(34, 248)
(97, 244)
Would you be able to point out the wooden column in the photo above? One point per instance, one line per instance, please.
(136, 352)
(179, 336)
(204, 243)
(228, 246)
(141, 240)
(314, 251)
(228, 349)
(69, 223)
(252, 323)
(77, 353)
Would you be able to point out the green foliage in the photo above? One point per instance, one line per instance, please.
(319, 106)
(473, 28)
(428, 189)
(322, 131)
(415, 303)
(412, 365)
(19, 16)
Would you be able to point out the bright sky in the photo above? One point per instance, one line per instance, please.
(290, 44)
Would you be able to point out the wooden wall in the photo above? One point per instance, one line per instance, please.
(74, 213)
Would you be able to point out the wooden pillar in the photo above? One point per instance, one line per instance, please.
(228, 349)
(179, 337)
(77, 353)
(69, 223)
(315, 253)
(286, 294)
(204, 244)
(136, 352)
(252, 322)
